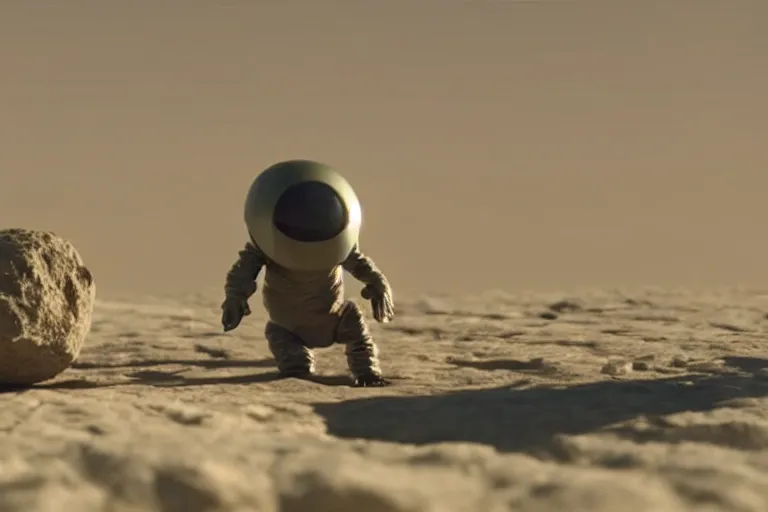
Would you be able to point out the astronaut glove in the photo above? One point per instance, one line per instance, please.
(382, 302)
(232, 312)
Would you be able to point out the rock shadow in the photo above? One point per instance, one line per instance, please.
(537, 365)
(174, 379)
(209, 364)
(529, 420)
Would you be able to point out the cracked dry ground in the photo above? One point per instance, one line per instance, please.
(598, 401)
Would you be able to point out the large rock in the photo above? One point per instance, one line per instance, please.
(46, 302)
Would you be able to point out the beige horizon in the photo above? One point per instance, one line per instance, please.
(515, 145)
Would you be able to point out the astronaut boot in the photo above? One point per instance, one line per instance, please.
(293, 358)
(362, 353)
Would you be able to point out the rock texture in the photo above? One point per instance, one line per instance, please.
(46, 302)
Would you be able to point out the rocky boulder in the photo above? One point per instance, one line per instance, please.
(46, 302)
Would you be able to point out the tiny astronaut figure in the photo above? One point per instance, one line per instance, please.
(304, 221)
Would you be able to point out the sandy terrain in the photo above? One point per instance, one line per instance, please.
(650, 401)
(493, 144)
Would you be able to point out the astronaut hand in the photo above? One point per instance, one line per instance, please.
(232, 312)
(382, 302)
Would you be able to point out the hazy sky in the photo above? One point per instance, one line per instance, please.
(497, 144)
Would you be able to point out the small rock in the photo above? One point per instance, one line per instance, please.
(259, 412)
(565, 306)
(548, 315)
(641, 366)
(46, 302)
(679, 362)
(617, 368)
(638, 302)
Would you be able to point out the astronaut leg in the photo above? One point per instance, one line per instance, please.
(294, 358)
(362, 353)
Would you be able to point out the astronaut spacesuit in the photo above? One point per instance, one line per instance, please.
(304, 220)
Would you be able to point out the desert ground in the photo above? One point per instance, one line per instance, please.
(652, 400)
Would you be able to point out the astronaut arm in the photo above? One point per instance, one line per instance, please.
(376, 289)
(241, 278)
(362, 268)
